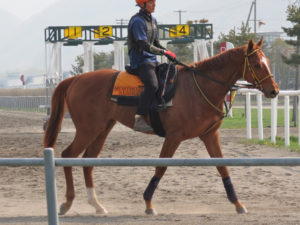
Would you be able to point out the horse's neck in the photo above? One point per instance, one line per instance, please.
(226, 68)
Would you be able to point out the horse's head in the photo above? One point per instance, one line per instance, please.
(257, 70)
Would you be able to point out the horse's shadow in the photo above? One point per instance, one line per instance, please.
(87, 219)
(23, 220)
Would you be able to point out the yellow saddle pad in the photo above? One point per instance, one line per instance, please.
(127, 84)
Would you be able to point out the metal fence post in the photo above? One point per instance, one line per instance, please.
(274, 105)
(248, 115)
(50, 186)
(260, 116)
(287, 120)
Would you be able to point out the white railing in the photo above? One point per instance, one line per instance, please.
(49, 162)
(40, 104)
(274, 108)
(24, 103)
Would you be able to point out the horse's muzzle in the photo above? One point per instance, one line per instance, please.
(274, 93)
(271, 93)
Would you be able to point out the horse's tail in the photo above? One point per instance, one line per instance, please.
(57, 113)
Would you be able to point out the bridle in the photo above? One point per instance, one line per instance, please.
(257, 81)
(257, 84)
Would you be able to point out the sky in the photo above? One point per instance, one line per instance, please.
(224, 15)
(216, 10)
(24, 9)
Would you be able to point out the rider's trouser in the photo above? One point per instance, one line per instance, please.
(146, 73)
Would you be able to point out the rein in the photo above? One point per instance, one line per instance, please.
(257, 81)
(257, 84)
(176, 62)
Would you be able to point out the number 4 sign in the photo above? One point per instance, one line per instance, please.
(180, 30)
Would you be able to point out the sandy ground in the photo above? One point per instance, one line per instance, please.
(187, 195)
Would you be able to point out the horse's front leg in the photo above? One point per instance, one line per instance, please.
(169, 147)
(212, 143)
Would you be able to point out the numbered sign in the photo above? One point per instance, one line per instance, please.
(173, 32)
(103, 32)
(73, 32)
(180, 30)
(183, 30)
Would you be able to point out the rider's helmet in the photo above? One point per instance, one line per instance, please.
(141, 1)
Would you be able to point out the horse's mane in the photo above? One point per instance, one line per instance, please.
(216, 62)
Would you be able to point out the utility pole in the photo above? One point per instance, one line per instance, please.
(122, 22)
(254, 2)
(253, 5)
(179, 12)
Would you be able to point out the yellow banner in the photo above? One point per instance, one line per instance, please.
(103, 32)
(173, 32)
(73, 32)
(180, 30)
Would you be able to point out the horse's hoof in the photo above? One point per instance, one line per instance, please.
(150, 212)
(64, 208)
(101, 211)
(242, 210)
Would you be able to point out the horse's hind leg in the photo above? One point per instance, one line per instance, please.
(92, 152)
(169, 147)
(78, 145)
(212, 143)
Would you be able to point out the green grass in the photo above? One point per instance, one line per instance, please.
(239, 118)
(279, 143)
(239, 121)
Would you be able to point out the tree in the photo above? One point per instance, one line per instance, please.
(237, 38)
(77, 68)
(101, 60)
(282, 71)
(293, 15)
(184, 51)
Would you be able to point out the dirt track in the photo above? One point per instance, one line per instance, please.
(188, 195)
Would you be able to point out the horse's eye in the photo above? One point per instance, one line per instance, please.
(257, 66)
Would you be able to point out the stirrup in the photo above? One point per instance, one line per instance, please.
(141, 125)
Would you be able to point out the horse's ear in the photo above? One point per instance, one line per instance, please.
(259, 44)
(250, 45)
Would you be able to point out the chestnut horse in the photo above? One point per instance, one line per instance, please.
(197, 112)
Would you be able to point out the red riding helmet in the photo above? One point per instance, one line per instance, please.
(141, 1)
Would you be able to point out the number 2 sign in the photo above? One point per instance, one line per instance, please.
(103, 32)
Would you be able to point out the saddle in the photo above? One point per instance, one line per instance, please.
(127, 88)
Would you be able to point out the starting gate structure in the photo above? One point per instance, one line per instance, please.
(89, 36)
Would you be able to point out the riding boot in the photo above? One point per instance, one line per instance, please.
(141, 125)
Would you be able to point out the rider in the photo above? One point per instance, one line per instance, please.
(143, 46)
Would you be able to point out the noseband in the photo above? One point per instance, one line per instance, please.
(257, 81)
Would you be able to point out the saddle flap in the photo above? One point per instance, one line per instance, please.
(127, 84)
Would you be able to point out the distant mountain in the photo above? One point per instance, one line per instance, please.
(8, 22)
(22, 44)
(24, 47)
